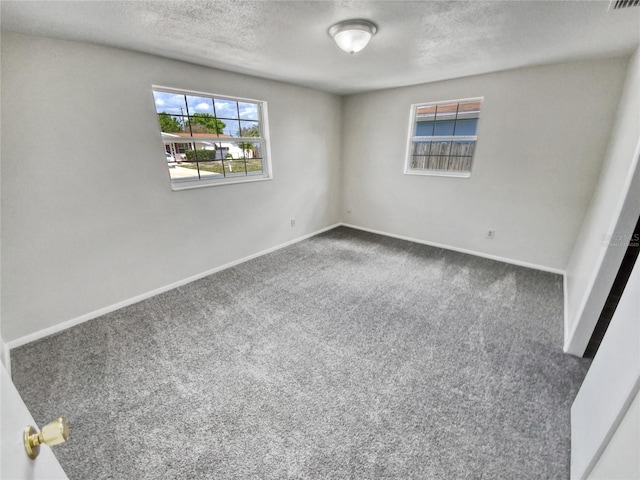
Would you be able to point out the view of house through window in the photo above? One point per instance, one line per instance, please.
(210, 139)
(443, 137)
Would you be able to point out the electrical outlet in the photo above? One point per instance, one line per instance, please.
(293, 222)
(491, 234)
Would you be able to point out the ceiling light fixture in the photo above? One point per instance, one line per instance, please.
(353, 35)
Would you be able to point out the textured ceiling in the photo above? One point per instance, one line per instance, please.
(417, 41)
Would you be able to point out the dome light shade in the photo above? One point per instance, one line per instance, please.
(352, 35)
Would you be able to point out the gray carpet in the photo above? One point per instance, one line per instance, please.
(345, 356)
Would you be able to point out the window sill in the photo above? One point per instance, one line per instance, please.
(190, 185)
(438, 173)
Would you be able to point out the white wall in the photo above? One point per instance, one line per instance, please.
(5, 358)
(610, 385)
(542, 135)
(89, 219)
(612, 215)
(88, 215)
(620, 460)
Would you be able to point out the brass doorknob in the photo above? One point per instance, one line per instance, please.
(51, 434)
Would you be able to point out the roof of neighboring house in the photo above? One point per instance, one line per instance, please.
(448, 108)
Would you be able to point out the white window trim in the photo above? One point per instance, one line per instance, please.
(263, 116)
(411, 138)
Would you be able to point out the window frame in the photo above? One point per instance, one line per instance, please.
(412, 138)
(264, 140)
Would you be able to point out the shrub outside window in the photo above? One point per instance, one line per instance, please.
(442, 137)
(211, 139)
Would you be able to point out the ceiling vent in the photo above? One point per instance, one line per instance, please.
(616, 4)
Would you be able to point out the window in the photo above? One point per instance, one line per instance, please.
(442, 137)
(212, 140)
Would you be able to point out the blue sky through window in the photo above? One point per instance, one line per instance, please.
(236, 115)
(467, 126)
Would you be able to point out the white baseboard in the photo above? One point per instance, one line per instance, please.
(461, 250)
(111, 308)
(484, 255)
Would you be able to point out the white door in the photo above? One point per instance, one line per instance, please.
(14, 462)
